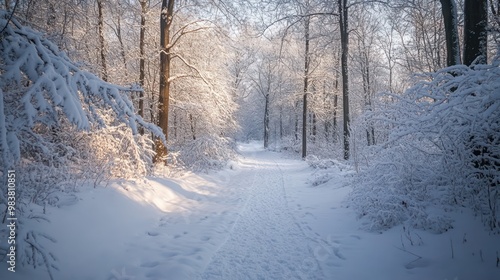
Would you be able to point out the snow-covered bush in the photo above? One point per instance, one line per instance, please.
(287, 144)
(58, 122)
(325, 170)
(206, 153)
(444, 149)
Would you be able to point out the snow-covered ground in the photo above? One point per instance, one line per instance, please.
(261, 218)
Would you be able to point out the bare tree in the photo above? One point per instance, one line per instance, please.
(306, 85)
(102, 47)
(344, 41)
(142, 59)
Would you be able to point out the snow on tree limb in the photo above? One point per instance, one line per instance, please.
(39, 83)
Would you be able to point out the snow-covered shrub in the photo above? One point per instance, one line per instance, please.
(325, 169)
(114, 151)
(56, 121)
(288, 144)
(327, 163)
(444, 149)
(206, 153)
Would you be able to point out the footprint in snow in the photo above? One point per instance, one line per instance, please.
(168, 254)
(203, 218)
(153, 233)
(356, 236)
(336, 251)
(205, 238)
(150, 264)
(417, 263)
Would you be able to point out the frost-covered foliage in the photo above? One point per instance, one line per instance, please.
(58, 124)
(40, 85)
(443, 150)
(206, 153)
(202, 107)
(325, 170)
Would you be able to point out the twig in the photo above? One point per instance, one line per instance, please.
(406, 251)
(452, 253)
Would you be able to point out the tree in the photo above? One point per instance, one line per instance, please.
(263, 84)
(475, 31)
(41, 92)
(102, 45)
(306, 85)
(344, 41)
(166, 17)
(450, 18)
(142, 59)
(365, 29)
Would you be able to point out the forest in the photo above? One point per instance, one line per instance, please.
(383, 111)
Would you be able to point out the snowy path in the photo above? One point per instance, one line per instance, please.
(267, 217)
(266, 242)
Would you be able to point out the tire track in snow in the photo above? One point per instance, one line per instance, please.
(266, 242)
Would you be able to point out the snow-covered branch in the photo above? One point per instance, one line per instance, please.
(40, 84)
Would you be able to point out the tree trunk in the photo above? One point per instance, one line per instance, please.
(142, 59)
(296, 123)
(449, 10)
(327, 107)
(175, 124)
(100, 26)
(122, 46)
(335, 106)
(344, 42)
(266, 122)
(167, 11)
(314, 127)
(475, 33)
(306, 84)
(367, 88)
(193, 126)
(281, 123)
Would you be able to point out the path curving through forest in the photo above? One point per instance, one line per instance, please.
(266, 242)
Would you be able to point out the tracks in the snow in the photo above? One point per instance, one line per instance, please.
(266, 242)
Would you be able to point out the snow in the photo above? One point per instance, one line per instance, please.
(262, 218)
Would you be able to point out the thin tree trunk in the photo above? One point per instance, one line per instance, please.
(335, 106)
(314, 127)
(296, 126)
(122, 46)
(142, 59)
(193, 126)
(100, 26)
(175, 123)
(370, 137)
(281, 123)
(344, 41)
(306, 84)
(167, 12)
(327, 107)
(266, 121)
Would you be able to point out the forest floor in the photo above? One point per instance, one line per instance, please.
(260, 218)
